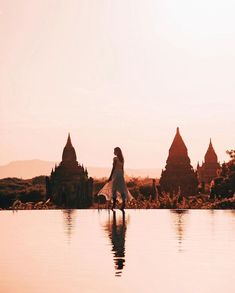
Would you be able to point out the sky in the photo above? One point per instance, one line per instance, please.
(116, 73)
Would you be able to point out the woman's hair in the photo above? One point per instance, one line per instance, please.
(119, 154)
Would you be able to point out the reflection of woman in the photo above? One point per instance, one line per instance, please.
(116, 183)
(117, 232)
(118, 240)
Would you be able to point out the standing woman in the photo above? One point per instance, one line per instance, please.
(116, 182)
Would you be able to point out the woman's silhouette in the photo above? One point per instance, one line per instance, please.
(116, 183)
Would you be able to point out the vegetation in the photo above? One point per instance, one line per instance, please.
(17, 193)
(30, 190)
(224, 186)
(165, 201)
(146, 197)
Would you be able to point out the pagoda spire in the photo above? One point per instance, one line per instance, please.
(209, 169)
(69, 143)
(210, 156)
(69, 153)
(178, 146)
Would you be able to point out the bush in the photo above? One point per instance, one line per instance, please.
(6, 200)
(32, 196)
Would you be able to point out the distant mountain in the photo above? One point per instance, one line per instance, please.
(31, 168)
(26, 169)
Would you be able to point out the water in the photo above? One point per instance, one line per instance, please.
(98, 251)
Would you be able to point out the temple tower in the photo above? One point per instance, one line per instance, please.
(178, 173)
(69, 185)
(210, 167)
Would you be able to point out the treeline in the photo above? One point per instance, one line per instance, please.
(224, 185)
(34, 190)
(146, 191)
(30, 190)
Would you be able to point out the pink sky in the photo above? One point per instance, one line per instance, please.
(116, 73)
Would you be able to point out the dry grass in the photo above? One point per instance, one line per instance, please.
(165, 201)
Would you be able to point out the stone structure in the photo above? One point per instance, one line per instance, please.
(179, 174)
(210, 168)
(69, 185)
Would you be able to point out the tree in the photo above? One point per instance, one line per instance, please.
(224, 186)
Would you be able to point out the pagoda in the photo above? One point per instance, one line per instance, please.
(69, 185)
(209, 168)
(178, 174)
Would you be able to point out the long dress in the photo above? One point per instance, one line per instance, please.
(117, 185)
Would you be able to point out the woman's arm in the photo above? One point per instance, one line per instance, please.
(114, 163)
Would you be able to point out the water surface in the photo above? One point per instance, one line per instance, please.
(101, 251)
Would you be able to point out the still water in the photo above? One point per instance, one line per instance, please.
(101, 251)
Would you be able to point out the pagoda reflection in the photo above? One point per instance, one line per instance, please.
(179, 224)
(68, 216)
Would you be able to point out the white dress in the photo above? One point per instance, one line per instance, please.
(117, 185)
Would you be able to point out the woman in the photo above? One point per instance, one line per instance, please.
(116, 183)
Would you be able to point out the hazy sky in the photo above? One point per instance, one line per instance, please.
(116, 73)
